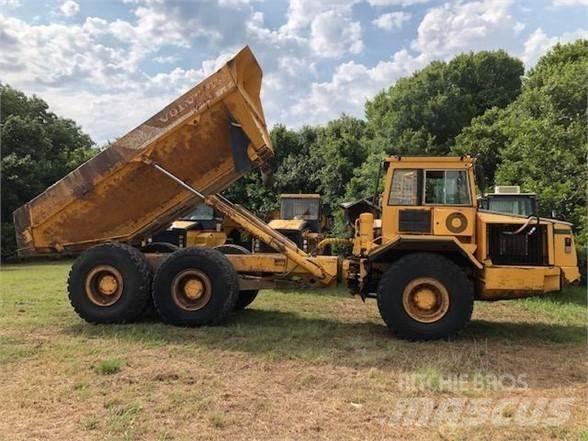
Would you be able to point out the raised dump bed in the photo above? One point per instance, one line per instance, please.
(209, 137)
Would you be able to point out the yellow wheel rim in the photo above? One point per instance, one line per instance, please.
(104, 285)
(425, 300)
(191, 289)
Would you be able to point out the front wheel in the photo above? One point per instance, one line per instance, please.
(425, 296)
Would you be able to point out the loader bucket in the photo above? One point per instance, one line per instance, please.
(209, 137)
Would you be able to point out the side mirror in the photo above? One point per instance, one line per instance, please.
(480, 178)
(267, 178)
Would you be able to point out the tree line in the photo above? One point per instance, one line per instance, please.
(525, 128)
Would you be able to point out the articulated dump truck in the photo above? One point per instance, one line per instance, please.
(425, 256)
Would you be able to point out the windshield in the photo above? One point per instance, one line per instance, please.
(307, 209)
(511, 204)
(446, 187)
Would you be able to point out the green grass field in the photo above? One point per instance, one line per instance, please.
(295, 365)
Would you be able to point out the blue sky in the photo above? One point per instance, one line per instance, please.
(110, 64)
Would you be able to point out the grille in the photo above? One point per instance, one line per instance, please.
(414, 221)
(520, 249)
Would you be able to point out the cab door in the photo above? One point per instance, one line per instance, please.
(436, 201)
(447, 193)
(403, 212)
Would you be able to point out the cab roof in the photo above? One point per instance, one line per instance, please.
(300, 196)
(435, 159)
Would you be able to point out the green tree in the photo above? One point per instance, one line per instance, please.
(484, 139)
(547, 147)
(422, 114)
(38, 148)
(539, 141)
(342, 150)
(321, 159)
(295, 170)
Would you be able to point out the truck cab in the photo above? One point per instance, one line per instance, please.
(509, 199)
(430, 205)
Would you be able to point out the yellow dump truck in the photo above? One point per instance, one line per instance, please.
(425, 260)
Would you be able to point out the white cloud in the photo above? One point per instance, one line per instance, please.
(333, 34)
(378, 3)
(351, 84)
(326, 26)
(94, 71)
(170, 59)
(539, 43)
(570, 2)
(96, 65)
(301, 12)
(457, 27)
(391, 21)
(70, 8)
(519, 27)
(11, 3)
(444, 32)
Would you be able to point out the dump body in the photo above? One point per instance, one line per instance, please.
(209, 137)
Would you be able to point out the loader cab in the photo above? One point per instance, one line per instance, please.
(429, 196)
(300, 220)
(305, 207)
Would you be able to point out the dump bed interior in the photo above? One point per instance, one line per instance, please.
(209, 137)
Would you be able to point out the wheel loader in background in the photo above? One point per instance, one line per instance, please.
(300, 219)
(199, 228)
(428, 257)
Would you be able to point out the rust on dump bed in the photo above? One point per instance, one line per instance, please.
(209, 137)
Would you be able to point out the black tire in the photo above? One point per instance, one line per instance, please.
(416, 268)
(212, 271)
(246, 297)
(160, 247)
(120, 262)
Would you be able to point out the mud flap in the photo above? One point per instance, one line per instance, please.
(239, 144)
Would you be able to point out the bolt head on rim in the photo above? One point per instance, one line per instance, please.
(191, 289)
(104, 285)
(425, 300)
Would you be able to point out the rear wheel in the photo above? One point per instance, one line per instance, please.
(110, 283)
(194, 287)
(246, 297)
(425, 296)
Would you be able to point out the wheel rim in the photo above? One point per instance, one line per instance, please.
(104, 285)
(191, 289)
(425, 299)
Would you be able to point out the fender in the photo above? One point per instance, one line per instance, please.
(422, 243)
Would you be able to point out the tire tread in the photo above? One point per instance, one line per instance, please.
(429, 260)
(140, 301)
(229, 275)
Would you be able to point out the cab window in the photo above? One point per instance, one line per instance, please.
(447, 187)
(293, 208)
(404, 189)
